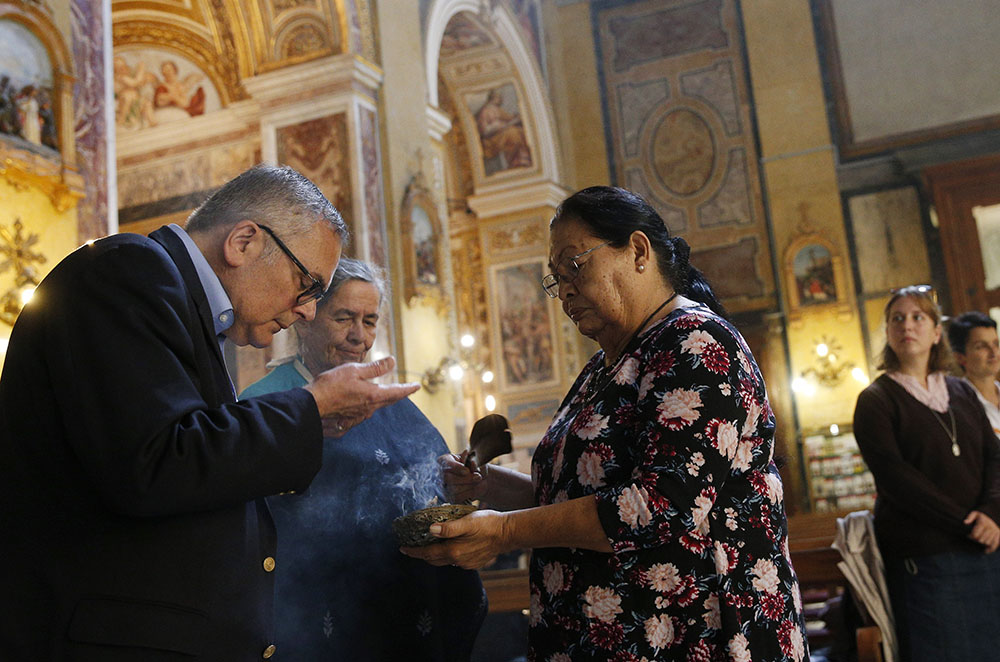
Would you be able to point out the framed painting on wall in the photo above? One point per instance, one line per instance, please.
(814, 273)
(423, 260)
(524, 329)
(889, 239)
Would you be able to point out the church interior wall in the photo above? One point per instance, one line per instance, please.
(42, 179)
(748, 98)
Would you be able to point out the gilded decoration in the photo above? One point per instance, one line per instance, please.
(25, 170)
(285, 5)
(467, 268)
(522, 236)
(287, 32)
(300, 41)
(230, 40)
(18, 256)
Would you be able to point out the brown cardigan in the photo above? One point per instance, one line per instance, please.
(924, 491)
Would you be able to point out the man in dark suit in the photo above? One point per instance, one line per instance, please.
(133, 524)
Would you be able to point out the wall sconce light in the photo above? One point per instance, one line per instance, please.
(15, 249)
(827, 370)
(455, 369)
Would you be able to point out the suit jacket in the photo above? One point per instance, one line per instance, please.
(133, 525)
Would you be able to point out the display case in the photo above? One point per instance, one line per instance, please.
(838, 479)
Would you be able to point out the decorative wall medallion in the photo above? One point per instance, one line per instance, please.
(683, 152)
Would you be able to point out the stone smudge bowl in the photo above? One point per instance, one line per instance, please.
(411, 529)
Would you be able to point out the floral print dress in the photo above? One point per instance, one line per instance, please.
(675, 442)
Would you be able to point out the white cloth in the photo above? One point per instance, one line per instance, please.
(934, 396)
(865, 571)
(992, 411)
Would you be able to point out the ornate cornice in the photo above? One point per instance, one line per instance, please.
(515, 197)
(25, 170)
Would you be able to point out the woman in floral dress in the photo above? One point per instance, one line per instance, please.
(654, 508)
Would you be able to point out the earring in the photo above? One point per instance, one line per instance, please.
(642, 267)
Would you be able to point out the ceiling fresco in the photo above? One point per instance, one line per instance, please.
(228, 41)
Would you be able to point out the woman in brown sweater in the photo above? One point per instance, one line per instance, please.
(936, 464)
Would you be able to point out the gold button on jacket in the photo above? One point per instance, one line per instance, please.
(269, 564)
(268, 652)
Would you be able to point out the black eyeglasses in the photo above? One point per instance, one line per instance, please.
(550, 282)
(915, 290)
(316, 289)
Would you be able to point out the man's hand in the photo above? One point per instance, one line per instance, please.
(984, 530)
(345, 396)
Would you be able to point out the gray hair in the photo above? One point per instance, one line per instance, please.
(350, 269)
(277, 196)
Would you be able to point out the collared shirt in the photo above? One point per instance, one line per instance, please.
(934, 396)
(992, 411)
(218, 300)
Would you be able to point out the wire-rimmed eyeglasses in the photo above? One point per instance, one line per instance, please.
(550, 282)
(316, 290)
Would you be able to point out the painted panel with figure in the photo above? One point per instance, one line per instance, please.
(26, 109)
(524, 325)
(157, 86)
(814, 275)
(502, 134)
(319, 149)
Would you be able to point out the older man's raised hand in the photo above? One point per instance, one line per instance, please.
(346, 395)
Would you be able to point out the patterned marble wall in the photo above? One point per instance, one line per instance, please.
(371, 165)
(89, 106)
(679, 132)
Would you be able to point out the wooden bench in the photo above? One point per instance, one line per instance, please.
(810, 537)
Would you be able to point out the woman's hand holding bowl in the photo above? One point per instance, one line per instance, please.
(470, 542)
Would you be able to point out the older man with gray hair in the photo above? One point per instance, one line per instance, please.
(134, 523)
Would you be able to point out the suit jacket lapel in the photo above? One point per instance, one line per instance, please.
(182, 260)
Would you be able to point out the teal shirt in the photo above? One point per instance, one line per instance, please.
(284, 377)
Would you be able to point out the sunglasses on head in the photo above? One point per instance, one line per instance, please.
(926, 291)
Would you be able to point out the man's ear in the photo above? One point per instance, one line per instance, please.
(243, 243)
(960, 359)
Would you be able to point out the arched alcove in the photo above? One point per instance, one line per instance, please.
(524, 67)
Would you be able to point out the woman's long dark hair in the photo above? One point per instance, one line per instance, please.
(613, 214)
